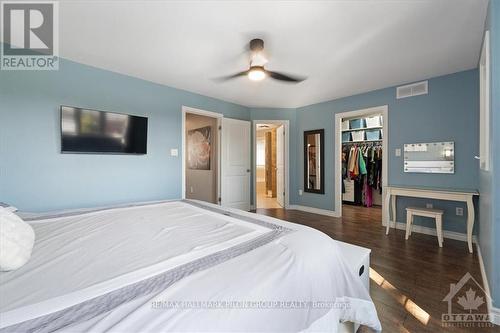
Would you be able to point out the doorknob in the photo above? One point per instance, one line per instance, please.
(248, 170)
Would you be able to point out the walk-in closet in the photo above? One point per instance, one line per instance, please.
(362, 165)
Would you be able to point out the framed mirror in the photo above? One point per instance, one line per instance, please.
(314, 161)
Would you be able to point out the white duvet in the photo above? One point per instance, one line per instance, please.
(297, 282)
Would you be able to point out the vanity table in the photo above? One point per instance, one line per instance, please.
(392, 192)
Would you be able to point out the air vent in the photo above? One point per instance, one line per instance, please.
(414, 89)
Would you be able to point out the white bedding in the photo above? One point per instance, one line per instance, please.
(79, 257)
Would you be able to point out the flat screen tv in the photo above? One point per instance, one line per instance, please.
(99, 132)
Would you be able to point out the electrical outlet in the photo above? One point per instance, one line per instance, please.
(460, 211)
(300, 192)
(191, 189)
(174, 152)
(398, 152)
(429, 205)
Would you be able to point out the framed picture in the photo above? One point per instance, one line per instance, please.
(199, 148)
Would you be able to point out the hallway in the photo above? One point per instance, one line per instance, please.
(269, 165)
(264, 200)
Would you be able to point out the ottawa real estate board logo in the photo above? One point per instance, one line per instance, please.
(467, 305)
(30, 35)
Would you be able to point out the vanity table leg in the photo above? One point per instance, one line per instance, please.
(393, 205)
(470, 221)
(387, 211)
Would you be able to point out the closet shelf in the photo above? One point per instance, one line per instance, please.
(362, 129)
(361, 141)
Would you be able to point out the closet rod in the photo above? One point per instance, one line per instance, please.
(361, 141)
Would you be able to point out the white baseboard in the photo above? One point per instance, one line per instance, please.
(314, 210)
(431, 231)
(495, 315)
(494, 312)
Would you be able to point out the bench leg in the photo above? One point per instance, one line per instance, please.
(409, 217)
(439, 229)
(411, 223)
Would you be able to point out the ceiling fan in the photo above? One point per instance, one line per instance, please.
(257, 72)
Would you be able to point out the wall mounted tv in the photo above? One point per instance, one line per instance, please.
(99, 132)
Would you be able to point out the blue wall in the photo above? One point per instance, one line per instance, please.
(35, 176)
(448, 113)
(489, 182)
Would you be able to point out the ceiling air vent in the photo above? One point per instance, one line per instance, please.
(414, 89)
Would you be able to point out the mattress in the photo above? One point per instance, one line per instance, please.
(180, 266)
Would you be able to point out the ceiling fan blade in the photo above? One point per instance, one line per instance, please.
(229, 77)
(284, 77)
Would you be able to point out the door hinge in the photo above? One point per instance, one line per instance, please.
(220, 127)
(219, 199)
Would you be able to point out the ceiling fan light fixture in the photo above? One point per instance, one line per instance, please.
(256, 74)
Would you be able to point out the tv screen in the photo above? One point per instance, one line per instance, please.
(91, 131)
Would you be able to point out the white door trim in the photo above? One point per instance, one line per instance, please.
(384, 110)
(218, 116)
(493, 311)
(484, 105)
(286, 125)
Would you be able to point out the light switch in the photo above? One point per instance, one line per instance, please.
(300, 192)
(174, 152)
(398, 152)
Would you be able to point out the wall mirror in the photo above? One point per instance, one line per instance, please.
(314, 157)
(434, 157)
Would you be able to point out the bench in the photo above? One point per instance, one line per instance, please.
(436, 214)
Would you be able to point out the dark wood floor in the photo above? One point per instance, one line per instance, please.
(408, 279)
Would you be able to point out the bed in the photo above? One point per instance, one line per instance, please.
(184, 266)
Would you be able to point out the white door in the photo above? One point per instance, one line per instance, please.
(235, 173)
(280, 165)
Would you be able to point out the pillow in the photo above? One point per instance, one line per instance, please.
(16, 240)
(8, 207)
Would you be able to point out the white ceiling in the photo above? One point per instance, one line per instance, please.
(344, 47)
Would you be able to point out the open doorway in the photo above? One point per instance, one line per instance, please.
(201, 151)
(361, 170)
(270, 164)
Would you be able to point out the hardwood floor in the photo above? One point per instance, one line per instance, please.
(408, 279)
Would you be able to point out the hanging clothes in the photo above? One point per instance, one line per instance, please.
(362, 164)
(368, 202)
(345, 160)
